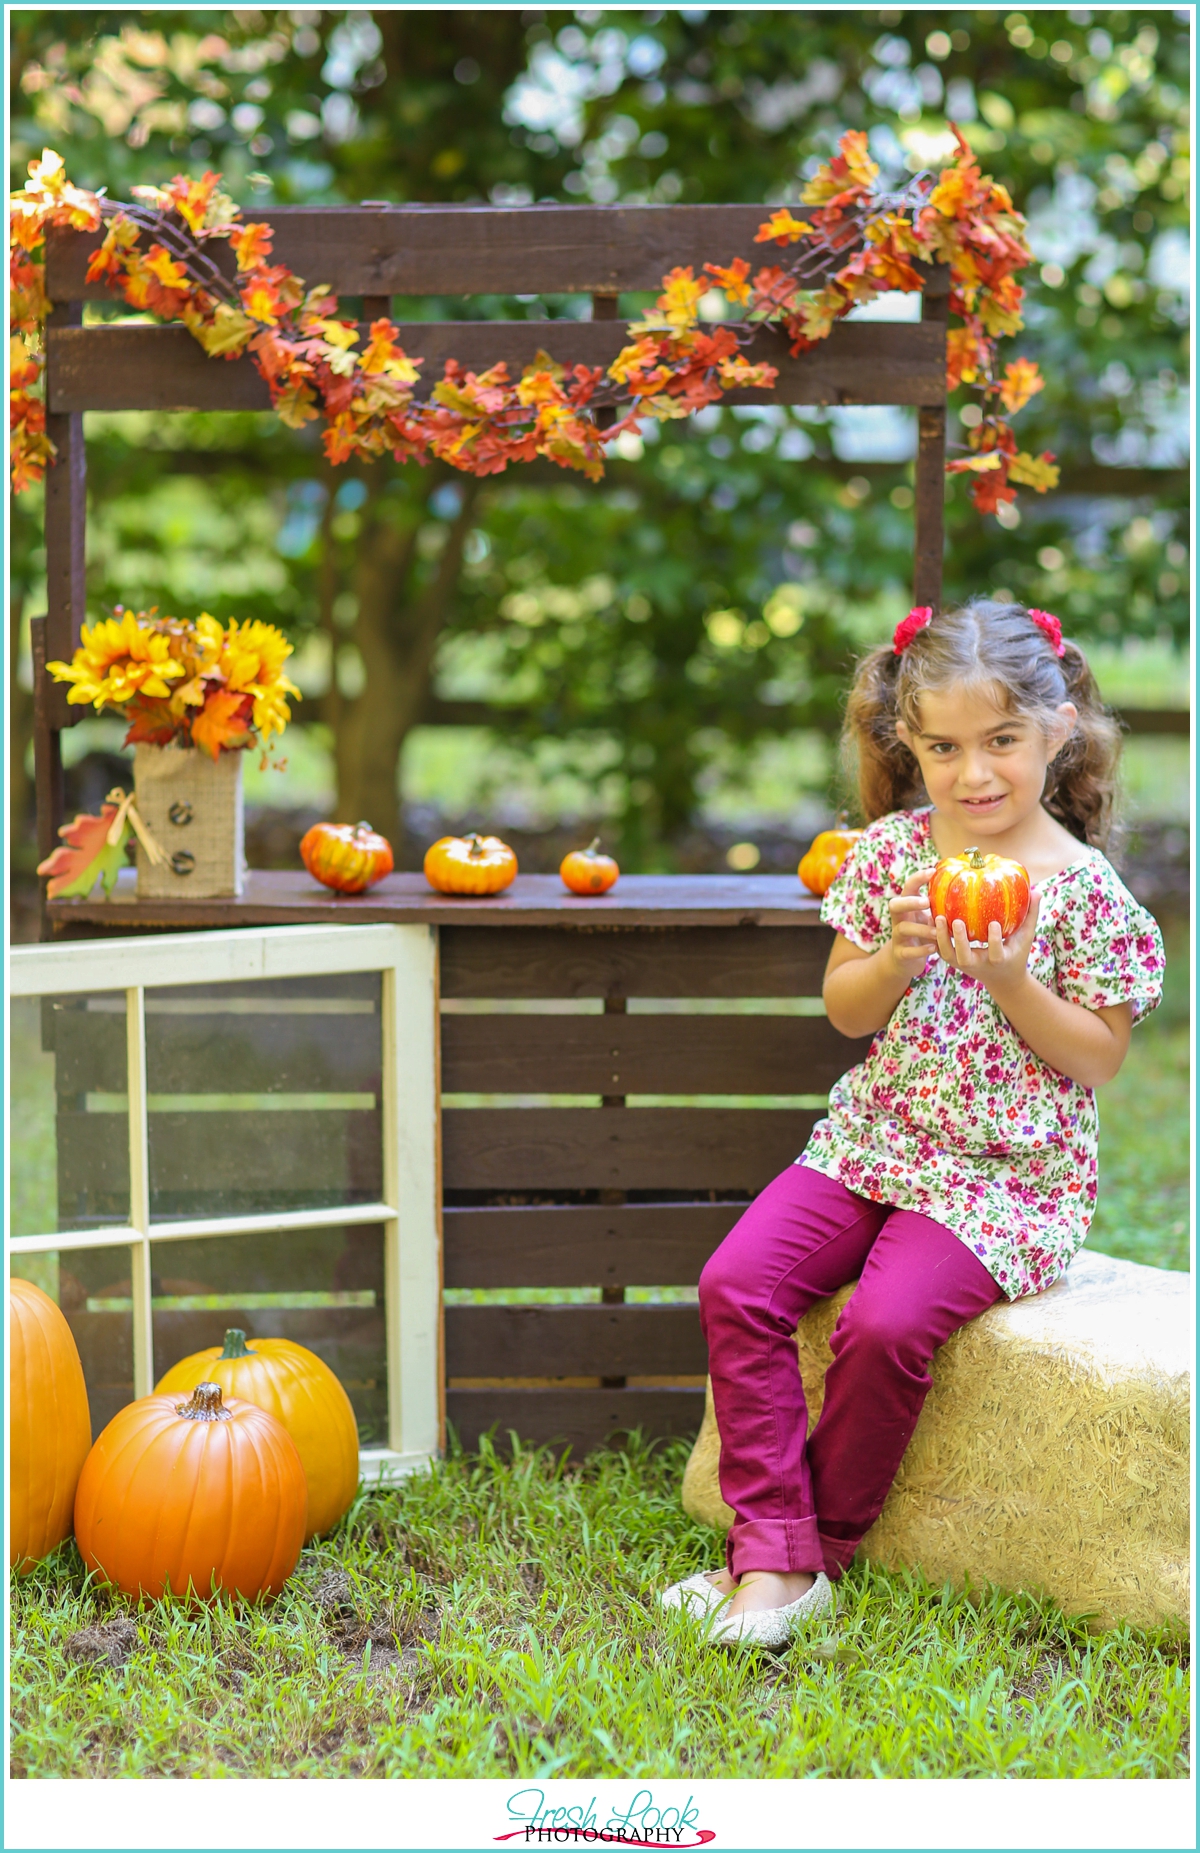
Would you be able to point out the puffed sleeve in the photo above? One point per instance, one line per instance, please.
(856, 903)
(1108, 949)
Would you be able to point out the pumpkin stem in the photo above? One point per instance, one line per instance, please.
(362, 825)
(975, 855)
(592, 847)
(235, 1344)
(476, 849)
(205, 1405)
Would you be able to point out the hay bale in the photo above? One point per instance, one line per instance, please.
(1052, 1451)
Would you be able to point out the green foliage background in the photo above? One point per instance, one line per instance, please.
(637, 624)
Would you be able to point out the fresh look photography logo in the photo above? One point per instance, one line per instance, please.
(641, 1822)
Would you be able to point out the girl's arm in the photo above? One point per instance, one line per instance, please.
(1088, 1046)
(862, 989)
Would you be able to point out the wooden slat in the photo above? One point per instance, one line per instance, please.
(640, 1148)
(930, 473)
(90, 1052)
(574, 1341)
(474, 250)
(116, 368)
(580, 1419)
(65, 534)
(733, 961)
(644, 1055)
(585, 1245)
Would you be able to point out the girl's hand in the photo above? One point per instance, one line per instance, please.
(913, 936)
(1002, 962)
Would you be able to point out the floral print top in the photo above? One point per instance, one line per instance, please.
(952, 1114)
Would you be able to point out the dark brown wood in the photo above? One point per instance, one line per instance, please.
(672, 1054)
(585, 1245)
(290, 897)
(736, 960)
(579, 1419)
(1155, 720)
(930, 476)
(287, 1159)
(574, 1341)
(477, 250)
(643, 1148)
(213, 1054)
(130, 367)
(47, 752)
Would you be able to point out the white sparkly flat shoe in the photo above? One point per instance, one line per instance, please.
(695, 1595)
(772, 1628)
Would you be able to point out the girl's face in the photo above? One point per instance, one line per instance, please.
(983, 767)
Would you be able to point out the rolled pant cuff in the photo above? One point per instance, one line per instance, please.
(775, 1544)
(838, 1554)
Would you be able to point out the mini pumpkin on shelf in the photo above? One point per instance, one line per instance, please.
(51, 1430)
(296, 1385)
(589, 871)
(193, 1498)
(825, 856)
(347, 857)
(469, 865)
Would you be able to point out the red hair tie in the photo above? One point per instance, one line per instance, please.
(908, 627)
(1046, 621)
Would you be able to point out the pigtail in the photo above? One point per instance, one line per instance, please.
(883, 768)
(1081, 779)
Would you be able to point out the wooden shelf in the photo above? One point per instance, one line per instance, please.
(286, 898)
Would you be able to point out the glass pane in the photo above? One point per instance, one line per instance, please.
(320, 1287)
(69, 1155)
(264, 1096)
(93, 1288)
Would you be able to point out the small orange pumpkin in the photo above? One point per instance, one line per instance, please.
(298, 1387)
(588, 871)
(348, 857)
(824, 858)
(198, 1496)
(977, 889)
(51, 1428)
(469, 865)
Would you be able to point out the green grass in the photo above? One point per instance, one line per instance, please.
(1142, 1211)
(496, 1619)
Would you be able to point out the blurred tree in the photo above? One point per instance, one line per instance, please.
(715, 589)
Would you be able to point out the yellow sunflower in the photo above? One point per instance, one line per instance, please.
(252, 664)
(118, 659)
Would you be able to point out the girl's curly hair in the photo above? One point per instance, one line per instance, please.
(984, 644)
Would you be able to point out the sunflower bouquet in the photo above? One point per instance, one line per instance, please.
(189, 680)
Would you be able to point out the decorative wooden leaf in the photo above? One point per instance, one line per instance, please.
(84, 857)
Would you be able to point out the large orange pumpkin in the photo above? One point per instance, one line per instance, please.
(977, 889)
(298, 1387)
(50, 1425)
(201, 1496)
(348, 857)
(589, 871)
(469, 865)
(824, 858)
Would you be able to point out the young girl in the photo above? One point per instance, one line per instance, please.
(957, 1164)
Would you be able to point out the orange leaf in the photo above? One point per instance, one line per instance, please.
(223, 722)
(251, 244)
(1021, 381)
(150, 724)
(84, 857)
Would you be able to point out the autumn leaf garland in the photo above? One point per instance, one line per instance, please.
(854, 243)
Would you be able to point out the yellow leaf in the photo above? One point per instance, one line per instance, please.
(1040, 473)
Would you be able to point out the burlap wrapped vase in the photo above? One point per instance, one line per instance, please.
(192, 805)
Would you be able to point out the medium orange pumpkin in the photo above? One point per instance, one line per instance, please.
(348, 857)
(824, 858)
(51, 1428)
(201, 1495)
(298, 1387)
(977, 889)
(469, 865)
(588, 871)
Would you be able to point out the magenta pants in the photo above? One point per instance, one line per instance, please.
(804, 1502)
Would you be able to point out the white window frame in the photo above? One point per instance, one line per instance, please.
(407, 958)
